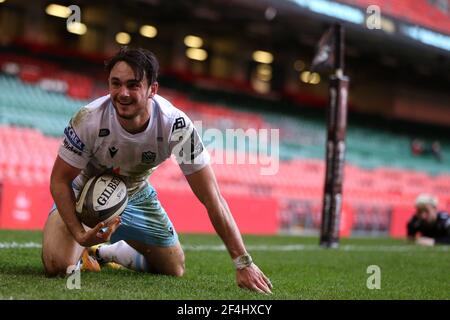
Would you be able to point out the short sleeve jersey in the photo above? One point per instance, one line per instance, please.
(95, 142)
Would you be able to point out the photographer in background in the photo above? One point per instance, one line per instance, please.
(432, 225)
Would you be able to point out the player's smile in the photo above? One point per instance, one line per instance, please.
(125, 103)
(126, 109)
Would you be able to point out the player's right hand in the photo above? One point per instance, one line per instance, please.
(97, 234)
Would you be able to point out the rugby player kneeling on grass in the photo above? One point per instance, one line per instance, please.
(130, 132)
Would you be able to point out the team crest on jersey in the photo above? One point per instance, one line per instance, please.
(148, 157)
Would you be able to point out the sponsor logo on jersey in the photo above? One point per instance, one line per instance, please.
(73, 138)
(70, 147)
(103, 132)
(148, 157)
(112, 151)
(178, 124)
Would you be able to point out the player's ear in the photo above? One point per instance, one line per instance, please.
(153, 89)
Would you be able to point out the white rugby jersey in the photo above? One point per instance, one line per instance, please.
(95, 142)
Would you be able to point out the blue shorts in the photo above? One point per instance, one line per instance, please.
(144, 220)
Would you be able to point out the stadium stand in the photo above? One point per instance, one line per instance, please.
(379, 176)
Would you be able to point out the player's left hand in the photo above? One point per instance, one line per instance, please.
(253, 278)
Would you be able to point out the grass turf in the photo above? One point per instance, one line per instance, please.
(304, 272)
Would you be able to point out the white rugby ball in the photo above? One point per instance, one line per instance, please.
(103, 198)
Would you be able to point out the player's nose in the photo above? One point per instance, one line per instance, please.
(123, 92)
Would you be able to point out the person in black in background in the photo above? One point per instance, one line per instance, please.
(433, 225)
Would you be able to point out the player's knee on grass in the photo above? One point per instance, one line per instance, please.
(178, 270)
(173, 268)
(55, 267)
(178, 267)
(162, 260)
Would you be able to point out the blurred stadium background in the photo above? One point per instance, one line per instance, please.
(211, 69)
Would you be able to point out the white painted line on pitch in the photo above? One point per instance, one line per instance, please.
(22, 245)
(288, 247)
(313, 247)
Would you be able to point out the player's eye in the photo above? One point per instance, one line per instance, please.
(133, 85)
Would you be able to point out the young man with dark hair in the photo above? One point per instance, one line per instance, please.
(130, 132)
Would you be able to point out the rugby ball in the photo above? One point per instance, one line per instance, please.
(103, 198)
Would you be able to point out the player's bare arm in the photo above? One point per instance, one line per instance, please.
(204, 185)
(61, 189)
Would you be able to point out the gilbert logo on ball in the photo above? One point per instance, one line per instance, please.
(103, 198)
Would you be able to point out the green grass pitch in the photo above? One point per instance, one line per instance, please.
(298, 267)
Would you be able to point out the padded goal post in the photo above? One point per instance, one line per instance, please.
(331, 55)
